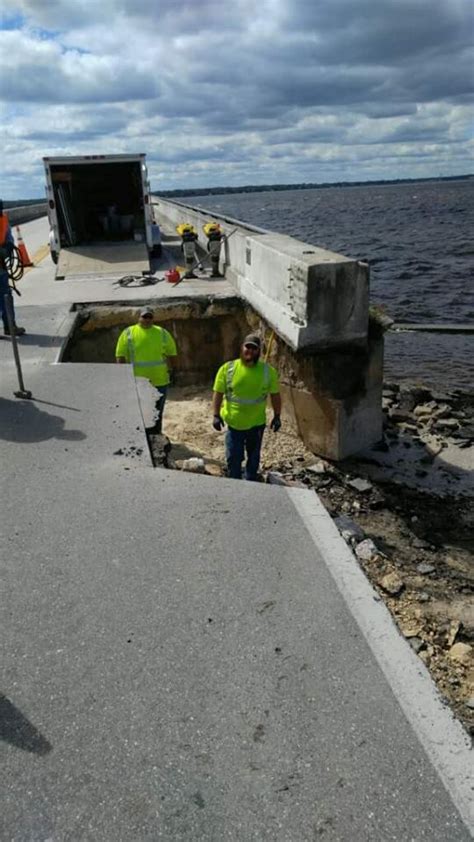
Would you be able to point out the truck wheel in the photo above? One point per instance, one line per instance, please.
(54, 256)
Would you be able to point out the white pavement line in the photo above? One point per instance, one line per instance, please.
(440, 734)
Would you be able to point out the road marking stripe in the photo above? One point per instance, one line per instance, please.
(38, 256)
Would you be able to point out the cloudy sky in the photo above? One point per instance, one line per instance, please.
(239, 92)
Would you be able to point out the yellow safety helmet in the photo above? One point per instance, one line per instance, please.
(211, 228)
(185, 228)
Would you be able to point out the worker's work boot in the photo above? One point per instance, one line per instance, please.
(19, 331)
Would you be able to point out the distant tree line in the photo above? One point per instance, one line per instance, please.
(18, 203)
(260, 188)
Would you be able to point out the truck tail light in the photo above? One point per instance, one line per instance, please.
(147, 199)
(51, 204)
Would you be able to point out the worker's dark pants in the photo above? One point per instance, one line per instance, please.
(5, 290)
(214, 252)
(239, 442)
(160, 406)
(215, 267)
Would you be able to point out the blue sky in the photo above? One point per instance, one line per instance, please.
(242, 93)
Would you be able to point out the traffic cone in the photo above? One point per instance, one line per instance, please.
(25, 257)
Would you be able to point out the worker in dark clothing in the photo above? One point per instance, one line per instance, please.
(215, 237)
(6, 248)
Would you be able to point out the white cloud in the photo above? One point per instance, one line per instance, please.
(239, 93)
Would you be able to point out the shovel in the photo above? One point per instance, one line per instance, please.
(22, 392)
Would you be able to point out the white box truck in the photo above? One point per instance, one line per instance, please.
(100, 215)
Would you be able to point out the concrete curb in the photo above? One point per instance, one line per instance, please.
(440, 734)
(66, 329)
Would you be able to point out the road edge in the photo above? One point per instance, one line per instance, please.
(440, 734)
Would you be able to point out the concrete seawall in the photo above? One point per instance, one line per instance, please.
(25, 213)
(312, 297)
(317, 304)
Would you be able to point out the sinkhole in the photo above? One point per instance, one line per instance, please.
(208, 331)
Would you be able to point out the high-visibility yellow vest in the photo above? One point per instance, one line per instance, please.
(145, 349)
(245, 390)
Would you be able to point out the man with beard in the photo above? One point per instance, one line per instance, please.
(241, 389)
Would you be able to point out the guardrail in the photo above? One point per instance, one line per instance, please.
(25, 213)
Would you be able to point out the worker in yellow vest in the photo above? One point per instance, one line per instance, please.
(241, 389)
(149, 348)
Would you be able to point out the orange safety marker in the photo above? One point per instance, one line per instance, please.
(25, 257)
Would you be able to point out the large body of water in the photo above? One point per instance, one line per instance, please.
(418, 240)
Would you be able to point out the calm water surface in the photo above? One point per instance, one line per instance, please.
(418, 240)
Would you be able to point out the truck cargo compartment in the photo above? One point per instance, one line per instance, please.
(98, 202)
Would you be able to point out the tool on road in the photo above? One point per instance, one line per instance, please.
(172, 275)
(205, 258)
(136, 280)
(22, 392)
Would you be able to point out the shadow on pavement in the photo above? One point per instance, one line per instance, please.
(22, 421)
(41, 340)
(17, 730)
(37, 340)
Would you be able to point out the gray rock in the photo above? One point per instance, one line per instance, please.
(317, 467)
(160, 447)
(442, 411)
(366, 550)
(447, 424)
(275, 478)
(419, 544)
(425, 408)
(442, 397)
(407, 400)
(470, 703)
(360, 484)
(466, 431)
(417, 644)
(423, 597)
(424, 568)
(392, 584)
(398, 413)
(350, 531)
(195, 465)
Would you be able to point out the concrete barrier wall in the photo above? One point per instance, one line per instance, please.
(25, 213)
(314, 298)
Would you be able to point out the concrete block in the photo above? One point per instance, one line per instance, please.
(311, 296)
(333, 398)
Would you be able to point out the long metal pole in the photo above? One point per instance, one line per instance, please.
(22, 393)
